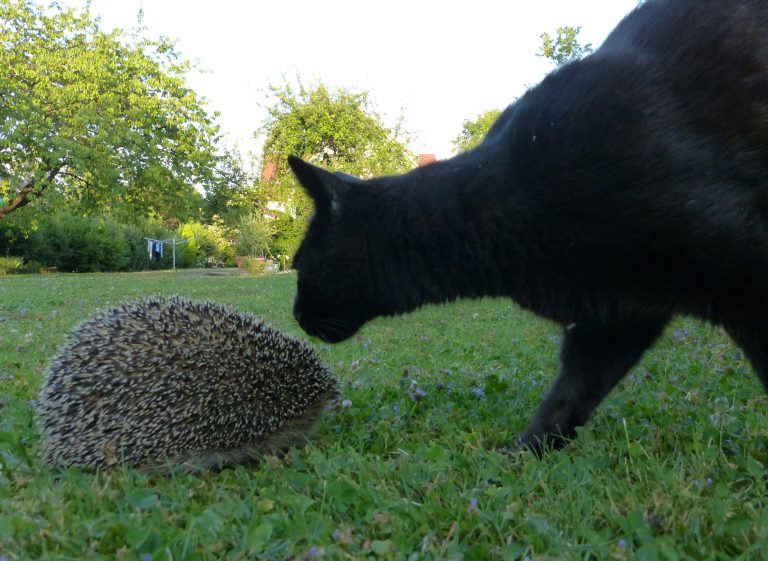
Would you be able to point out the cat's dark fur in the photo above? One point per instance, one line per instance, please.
(626, 188)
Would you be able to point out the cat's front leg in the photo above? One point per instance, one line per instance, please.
(593, 358)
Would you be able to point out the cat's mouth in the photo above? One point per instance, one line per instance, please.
(328, 329)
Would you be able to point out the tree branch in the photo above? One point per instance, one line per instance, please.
(31, 188)
(83, 180)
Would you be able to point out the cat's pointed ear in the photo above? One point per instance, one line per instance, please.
(325, 188)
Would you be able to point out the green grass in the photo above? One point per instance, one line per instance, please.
(672, 466)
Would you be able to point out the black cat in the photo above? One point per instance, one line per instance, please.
(626, 188)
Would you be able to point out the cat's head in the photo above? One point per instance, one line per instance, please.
(334, 291)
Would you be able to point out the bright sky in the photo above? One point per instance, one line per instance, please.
(437, 63)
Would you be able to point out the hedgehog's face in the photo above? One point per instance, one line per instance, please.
(334, 294)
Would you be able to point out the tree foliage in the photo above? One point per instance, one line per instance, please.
(104, 120)
(564, 47)
(473, 132)
(227, 193)
(339, 129)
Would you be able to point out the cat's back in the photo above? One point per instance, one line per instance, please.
(682, 83)
(692, 30)
(656, 145)
(703, 70)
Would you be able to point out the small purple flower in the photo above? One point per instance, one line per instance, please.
(397, 409)
(415, 392)
(146, 557)
(313, 553)
(698, 484)
(622, 544)
(3, 558)
(472, 506)
(336, 535)
(346, 403)
(479, 393)
(680, 334)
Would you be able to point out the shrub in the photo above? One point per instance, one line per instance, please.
(253, 236)
(206, 244)
(288, 233)
(80, 244)
(10, 265)
(136, 248)
(255, 265)
(74, 243)
(31, 267)
(15, 233)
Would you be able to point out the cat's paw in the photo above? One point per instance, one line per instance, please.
(540, 442)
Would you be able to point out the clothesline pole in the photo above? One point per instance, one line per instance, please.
(174, 242)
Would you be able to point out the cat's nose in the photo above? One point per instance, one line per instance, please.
(297, 309)
(301, 318)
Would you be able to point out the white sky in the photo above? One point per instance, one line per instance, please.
(438, 63)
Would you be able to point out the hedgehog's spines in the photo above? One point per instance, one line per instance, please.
(169, 379)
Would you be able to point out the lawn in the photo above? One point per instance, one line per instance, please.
(407, 466)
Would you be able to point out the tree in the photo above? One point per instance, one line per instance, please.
(338, 129)
(473, 132)
(103, 120)
(254, 234)
(227, 192)
(565, 47)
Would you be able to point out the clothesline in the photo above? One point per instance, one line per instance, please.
(155, 248)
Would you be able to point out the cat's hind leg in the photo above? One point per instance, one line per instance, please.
(593, 358)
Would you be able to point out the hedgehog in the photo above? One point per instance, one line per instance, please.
(167, 382)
